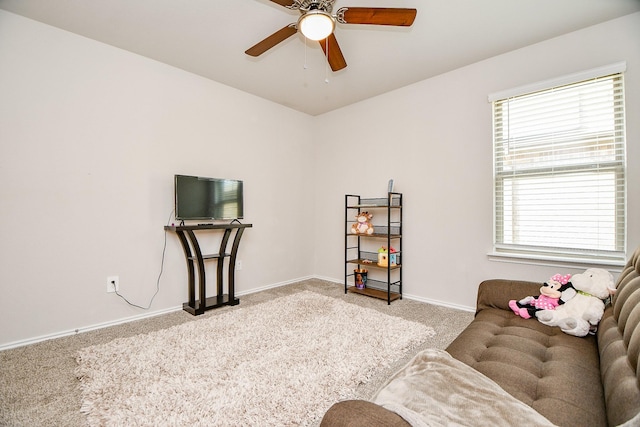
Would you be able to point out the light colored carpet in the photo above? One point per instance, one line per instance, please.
(38, 385)
(282, 362)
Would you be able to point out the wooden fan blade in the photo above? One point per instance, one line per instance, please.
(378, 15)
(275, 38)
(335, 58)
(284, 3)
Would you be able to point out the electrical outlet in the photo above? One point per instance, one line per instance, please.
(113, 284)
(238, 265)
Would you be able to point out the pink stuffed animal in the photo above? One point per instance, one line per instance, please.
(554, 292)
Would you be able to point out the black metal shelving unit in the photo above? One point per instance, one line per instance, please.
(361, 249)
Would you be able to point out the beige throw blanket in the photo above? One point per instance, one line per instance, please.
(434, 389)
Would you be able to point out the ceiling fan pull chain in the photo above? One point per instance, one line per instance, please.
(305, 53)
(326, 63)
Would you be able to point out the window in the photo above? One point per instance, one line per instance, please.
(560, 171)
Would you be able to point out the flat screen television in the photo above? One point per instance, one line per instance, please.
(201, 198)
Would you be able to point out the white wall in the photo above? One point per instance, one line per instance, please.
(435, 139)
(90, 138)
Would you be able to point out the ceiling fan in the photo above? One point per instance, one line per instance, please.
(317, 23)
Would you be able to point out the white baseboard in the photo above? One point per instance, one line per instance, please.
(329, 279)
(35, 340)
(123, 320)
(62, 334)
(274, 285)
(410, 296)
(440, 303)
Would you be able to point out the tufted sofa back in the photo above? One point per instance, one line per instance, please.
(619, 346)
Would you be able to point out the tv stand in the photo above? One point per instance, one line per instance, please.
(187, 236)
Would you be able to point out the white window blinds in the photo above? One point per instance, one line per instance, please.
(560, 171)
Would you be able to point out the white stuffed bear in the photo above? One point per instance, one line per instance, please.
(585, 309)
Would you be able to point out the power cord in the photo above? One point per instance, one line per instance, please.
(164, 249)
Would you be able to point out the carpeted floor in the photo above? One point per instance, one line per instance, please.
(38, 386)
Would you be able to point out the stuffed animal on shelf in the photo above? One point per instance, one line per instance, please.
(581, 315)
(363, 224)
(554, 292)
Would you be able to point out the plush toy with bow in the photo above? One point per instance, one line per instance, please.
(554, 292)
(581, 315)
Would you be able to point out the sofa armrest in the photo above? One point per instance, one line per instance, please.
(361, 413)
(496, 293)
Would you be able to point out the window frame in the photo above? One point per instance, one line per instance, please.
(514, 252)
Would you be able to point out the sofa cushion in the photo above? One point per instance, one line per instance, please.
(556, 374)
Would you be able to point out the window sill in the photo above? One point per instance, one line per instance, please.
(614, 265)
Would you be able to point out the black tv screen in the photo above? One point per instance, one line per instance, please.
(198, 197)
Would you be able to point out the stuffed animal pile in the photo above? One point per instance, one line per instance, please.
(574, 303)
(581, 314)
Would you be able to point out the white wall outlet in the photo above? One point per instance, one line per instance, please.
(238, 265)
(113, 284)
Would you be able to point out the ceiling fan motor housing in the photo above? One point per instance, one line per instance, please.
(307, 5)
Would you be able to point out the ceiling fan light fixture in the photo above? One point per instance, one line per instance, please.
(316, 24)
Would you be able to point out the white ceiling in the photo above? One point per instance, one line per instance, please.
(209, 37)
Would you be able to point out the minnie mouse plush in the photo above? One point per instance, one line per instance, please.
(556, 291)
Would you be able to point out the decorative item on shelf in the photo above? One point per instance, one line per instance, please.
(393, 256)
(363, 224)
(360, 277)
(385, 257)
